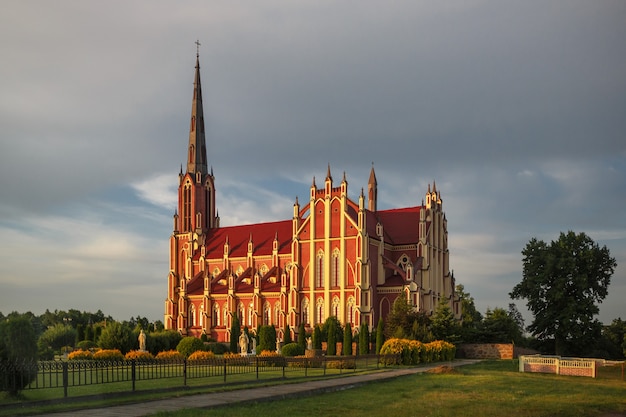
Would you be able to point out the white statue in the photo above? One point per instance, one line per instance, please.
(309, 343)
(243, 344)
(142, 341)
(254, 346)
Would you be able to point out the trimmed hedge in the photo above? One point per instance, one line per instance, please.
(292, 349)
(108, 355)
(413, 352)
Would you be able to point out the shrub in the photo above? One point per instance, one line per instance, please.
(413, 352)
(56, 337)
(163, 341)
(189, 345)
(292, 349)
(341, 364)
(80, 355)
(169, 355)
(347, 340)
(215, 347)
(271, 358)
(236, 359)
(86, 345)
(317, 337)
(18, 344)
(267, 339)
(108, 355)
(302, 336)
(364, 340)
(201, 355)
(139, 355)
(116, 336)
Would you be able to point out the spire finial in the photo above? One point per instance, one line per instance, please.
(197, 42)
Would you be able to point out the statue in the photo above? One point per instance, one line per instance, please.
(142, 341)
(309, 343)
(254, 346)
(243, 344)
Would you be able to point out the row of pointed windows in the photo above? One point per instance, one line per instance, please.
(270, 316)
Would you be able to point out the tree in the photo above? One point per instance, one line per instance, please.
(562, 282)
(364, 339)
(380, 335)
(499, 326)
(444, 325)
(189, 345)
(17, 344)
(317, 337)
(347, 340)
(331, 341)
(55, 338)
(116, 335)
(267, 339)
(302, 336)
(287, 337)
(405, 322)
(470, 316)
(235, 332)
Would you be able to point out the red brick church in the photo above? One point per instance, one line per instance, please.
(334, 257)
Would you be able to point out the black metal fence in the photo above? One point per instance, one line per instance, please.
(28, 375)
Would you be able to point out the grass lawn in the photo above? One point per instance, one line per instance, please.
(491, 388)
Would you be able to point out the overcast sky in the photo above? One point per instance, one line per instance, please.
(517, 109)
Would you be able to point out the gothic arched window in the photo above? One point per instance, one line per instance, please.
(216, 315)
(319, 272)
(336, 270)
(319, 309)
(305, 310)
(186, 207)
(267, 314)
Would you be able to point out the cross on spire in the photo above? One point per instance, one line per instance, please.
(197, 42)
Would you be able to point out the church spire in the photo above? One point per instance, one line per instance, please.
(197, 159)
(372, 191)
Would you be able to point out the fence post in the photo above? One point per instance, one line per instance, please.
(185, 372)
(224, 369)
(306, 367)
(65, 379)
(325, 365)
(256, 359)
(133, 372)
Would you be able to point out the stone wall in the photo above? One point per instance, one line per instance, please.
(485, 351)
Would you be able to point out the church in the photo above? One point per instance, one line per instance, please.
(334, 257)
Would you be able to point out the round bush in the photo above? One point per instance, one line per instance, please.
(200, 355)
(108, 355)
(80, 355)
(292, 349)
(169, 355)
(139, 355)
(189, 345)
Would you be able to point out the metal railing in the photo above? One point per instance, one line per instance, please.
(28, 375)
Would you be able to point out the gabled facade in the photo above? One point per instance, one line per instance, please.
(334, 257)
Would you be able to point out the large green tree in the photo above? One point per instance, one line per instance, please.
(444, 325)
(562, 282)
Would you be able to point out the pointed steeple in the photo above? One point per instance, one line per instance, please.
(328, 176)
(197, 158)
(372, 191)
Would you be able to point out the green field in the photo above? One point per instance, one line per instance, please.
(492, 388)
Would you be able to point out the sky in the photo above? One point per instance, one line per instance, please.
(517, 109)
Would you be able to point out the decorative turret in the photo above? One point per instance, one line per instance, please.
(372, 191)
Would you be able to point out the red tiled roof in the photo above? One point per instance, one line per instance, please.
(400, 226)
(263, 235)
(195, 285)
